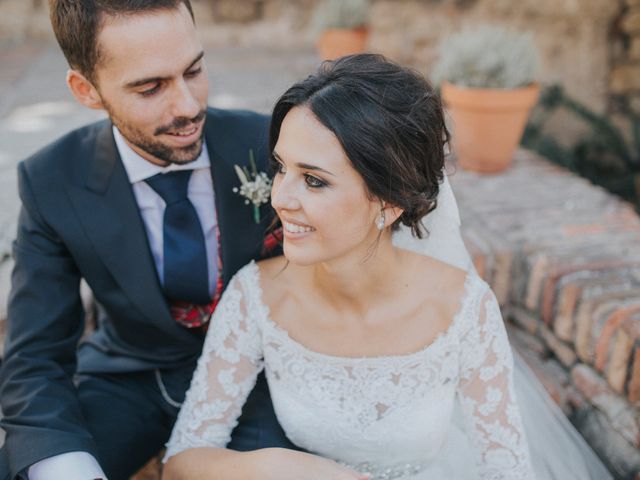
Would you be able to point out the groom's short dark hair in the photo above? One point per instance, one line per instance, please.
(77, 23)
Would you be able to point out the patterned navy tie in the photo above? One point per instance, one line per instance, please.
(186, 275)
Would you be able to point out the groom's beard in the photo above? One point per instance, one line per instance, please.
(154, 147)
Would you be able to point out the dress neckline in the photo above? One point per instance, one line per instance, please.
(264, 313)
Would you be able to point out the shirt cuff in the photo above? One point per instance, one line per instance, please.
(67, 466)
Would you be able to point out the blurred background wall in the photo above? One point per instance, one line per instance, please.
(591, 47)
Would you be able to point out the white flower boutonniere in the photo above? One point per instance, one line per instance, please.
(255, 186)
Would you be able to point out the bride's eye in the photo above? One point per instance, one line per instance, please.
(314, 182)
(277, 166)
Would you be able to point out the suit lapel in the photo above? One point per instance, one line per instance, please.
(240, 237)
(109, 211)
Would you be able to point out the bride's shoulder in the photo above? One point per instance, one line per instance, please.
(434, 271)
(448, 284)
(274, 277)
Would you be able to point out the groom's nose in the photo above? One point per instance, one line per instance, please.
(184, 102)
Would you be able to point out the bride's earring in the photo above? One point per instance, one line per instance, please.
(380, 222)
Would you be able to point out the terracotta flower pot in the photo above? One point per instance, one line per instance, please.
(488, 123)
(335, 43)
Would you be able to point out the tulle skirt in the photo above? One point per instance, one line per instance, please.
(558, 451)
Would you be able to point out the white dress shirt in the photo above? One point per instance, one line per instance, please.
(82, 465)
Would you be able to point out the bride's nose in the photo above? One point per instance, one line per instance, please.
(284, 195)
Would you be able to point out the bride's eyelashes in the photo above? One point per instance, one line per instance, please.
(310, 180)
(276, 165)
(313, 181)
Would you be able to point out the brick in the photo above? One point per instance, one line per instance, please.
(622, 458)
(575, 288)
(592, 316)
(524, 319)
(634, 381)
(501, 281)
(567, 301)
(625, 78)
(534, 290)
(575, 399)
(631, 21)
(549, 289)
(634, 49)
(617, 369)
(236, 12)
(526, 341)
(624, 418)
(584, 325)
(561, 350)
(604, 339)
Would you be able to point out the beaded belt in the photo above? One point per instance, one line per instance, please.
(387, 472)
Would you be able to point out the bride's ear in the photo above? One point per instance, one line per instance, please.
(391, 213)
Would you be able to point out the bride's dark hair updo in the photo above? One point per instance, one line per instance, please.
(390, 123)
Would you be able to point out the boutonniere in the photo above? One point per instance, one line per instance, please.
(255, 186)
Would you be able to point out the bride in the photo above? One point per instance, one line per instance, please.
(382, 361)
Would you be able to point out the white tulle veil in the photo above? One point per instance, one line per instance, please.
(558, 451)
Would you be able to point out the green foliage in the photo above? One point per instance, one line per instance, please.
(604, 155)
(341, 14)
(487, 57)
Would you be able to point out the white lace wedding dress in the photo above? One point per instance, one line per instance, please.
(391, 416)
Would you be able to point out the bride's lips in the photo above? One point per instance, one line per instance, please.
(185, 136)
(296, 230)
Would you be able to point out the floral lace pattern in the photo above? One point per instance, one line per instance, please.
(379, 411)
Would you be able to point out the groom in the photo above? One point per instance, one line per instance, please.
(142, 208)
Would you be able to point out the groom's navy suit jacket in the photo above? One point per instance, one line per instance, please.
(80, 220)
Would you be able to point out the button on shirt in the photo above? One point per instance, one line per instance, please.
(81, 465)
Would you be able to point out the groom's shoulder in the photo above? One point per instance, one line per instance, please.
(63, 153)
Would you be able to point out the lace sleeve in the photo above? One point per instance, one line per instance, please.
(486, 394)
(226, 373)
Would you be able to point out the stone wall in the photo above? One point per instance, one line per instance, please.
(562, 258)
(592, 47)
(574, 37)
(625, 73)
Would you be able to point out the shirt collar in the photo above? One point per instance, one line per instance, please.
(139, 169)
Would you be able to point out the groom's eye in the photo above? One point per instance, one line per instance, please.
(150, 91)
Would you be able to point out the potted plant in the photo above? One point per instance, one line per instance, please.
(343, 27)
(487, 78)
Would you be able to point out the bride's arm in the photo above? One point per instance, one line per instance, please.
(487, 398)
(226, 373)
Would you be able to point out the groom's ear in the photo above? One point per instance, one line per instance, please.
(83, 90)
